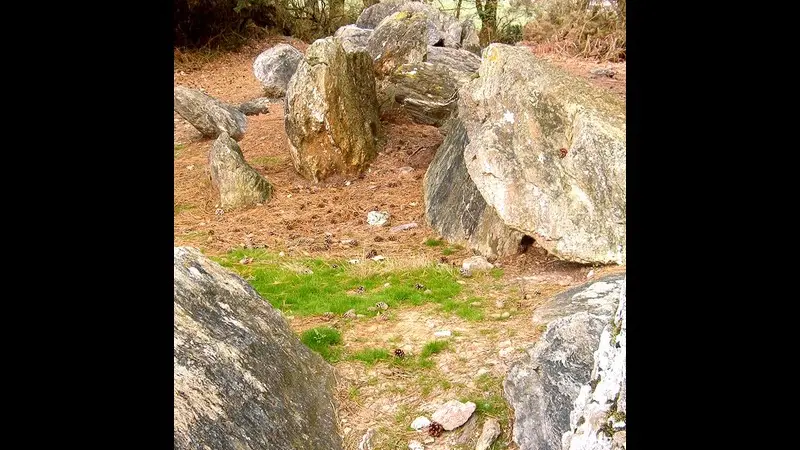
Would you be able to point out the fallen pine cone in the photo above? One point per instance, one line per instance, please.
(435, 429)
(399, 352)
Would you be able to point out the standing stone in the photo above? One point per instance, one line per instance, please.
(455, 208)
(469, 37)
(242, 379)
(401, 38)
(239, 184)
(332, 112)
(543, 386)
(208, 115)
(275, 67)
(547, 151)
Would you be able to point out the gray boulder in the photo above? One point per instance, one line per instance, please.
(242, 379)
(547, 152)
(462, 64)
(543, 386)
(373, 15)
(353, 38)
(401, 38)
(443, 29)
(275, 67)
(597, 421)
(455, 208)
(208, 115)
(428, 91)
(255, 106)
(332, 112)
(239, 185)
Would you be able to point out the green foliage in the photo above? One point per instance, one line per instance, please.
(433, 242)
(370, 356)
(325, 341)
(434, 347)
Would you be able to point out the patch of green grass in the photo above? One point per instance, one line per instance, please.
(448, 251)
(177, 149)
(434, 242)
(463, 309)
(325, 341)
(370, 356)
(266, 161)
(434, 347)
(496, 273)
(332, 285)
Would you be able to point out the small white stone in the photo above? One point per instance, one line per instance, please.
(281, 254)
(420, 423)
(415, 445)
(443, 333)
(508, 116)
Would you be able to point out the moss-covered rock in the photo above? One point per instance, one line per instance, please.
(401, 38)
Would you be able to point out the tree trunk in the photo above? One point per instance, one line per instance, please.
(488, 15)
(336, 13)
(458, 9)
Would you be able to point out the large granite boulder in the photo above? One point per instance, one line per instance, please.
(332, 112)
(598, 420)
(547, 152)
(455, 208)
(208, 115)
(353, 38)
(543, 386)
(238, 184)
(274, 68)
(242, 379)
(401, 38)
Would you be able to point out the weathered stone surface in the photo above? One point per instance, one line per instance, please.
(469, 37)
(455, 208)
(453, 414)
(332, 111)
(242, 379)
(366, 441)
(255, 106)
(443, 29)
(209, 115)
(426, 91)
(542, 386)
(238, 184)
(401, 38)
(275, 67)
(353, 38)
(547, 152)
(491, 430)
(592, 297)
(462, 64)
(597, 421)
(373, 15)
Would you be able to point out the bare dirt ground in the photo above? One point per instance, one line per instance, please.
(296, 219)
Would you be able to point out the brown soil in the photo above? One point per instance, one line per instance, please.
(300, 214)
